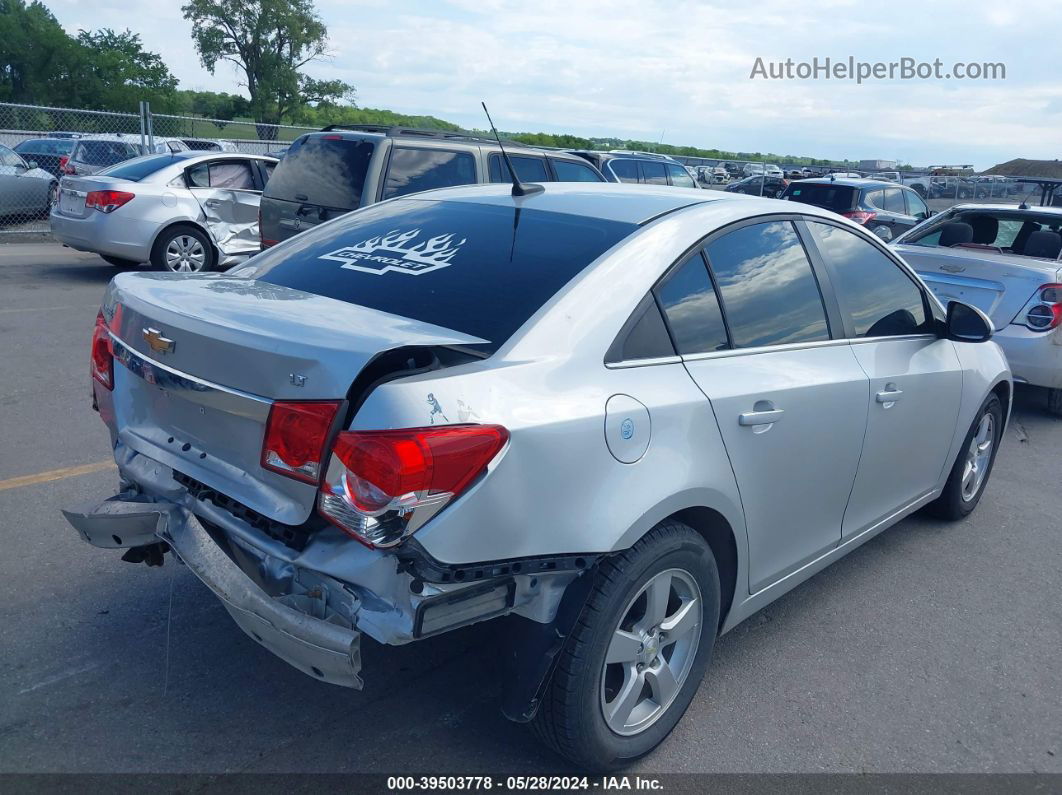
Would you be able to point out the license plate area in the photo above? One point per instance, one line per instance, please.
(72, 202)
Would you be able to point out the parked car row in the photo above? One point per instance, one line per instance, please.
(585, 410)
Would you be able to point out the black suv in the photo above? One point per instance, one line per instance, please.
(885, 208)
(326, 174)
(639, 167)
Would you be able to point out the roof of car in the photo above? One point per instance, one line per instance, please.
(851, 182)
(1031, 208)
(634, 204)
(436, 137)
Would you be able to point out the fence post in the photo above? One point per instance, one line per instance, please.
(150, 126)
(143, 125)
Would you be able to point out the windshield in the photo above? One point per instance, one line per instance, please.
(838, 198)
(1000, 231)
(476, 268)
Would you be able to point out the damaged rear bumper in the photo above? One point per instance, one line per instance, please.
(317, 646)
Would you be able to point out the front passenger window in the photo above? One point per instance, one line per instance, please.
(880, 299)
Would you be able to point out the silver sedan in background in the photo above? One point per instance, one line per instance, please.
(181, 211)
(24, 188)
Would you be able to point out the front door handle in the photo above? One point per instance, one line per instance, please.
(212, 203)
(760, 417)
(889, 395)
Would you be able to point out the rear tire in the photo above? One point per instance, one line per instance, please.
(1054, 401)
(972, 467)
(660, 599)
(182, 249)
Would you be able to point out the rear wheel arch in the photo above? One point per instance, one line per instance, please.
(713, 527)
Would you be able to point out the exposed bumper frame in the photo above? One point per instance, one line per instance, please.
(320, 648)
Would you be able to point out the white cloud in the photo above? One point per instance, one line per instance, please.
(677, 67)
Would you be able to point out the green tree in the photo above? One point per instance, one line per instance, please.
(117, 72)
(37, 57)
(270, 41)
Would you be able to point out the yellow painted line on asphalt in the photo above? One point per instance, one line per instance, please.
(55, 474)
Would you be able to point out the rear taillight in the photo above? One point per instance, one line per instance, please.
(102, 364)
(383, 485)
(263, 241)
(64, 165)
(107, 201)
(295, 438)
(860, 216)
(1043, 312)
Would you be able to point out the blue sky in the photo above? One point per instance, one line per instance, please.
(680, 70)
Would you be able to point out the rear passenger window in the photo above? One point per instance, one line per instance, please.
(879, 298)
(680, 177)
(528, 169)
(414, 170)
(653, 173)
(894, 201)
(567, 171)
(625, 170)
(769, 291)
(692, 308)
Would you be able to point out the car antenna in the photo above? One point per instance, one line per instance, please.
(519, 188)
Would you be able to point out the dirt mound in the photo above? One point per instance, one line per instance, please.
(1020, 167)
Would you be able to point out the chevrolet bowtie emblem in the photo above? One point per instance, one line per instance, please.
(157, 342)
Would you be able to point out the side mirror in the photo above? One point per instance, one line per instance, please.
(967, 323)
(31, 164)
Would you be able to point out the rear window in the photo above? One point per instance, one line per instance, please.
(528, 169)
(104, 153)
(832, 197)
(139, 167)
(475, 268)
(323, 170)
(46, 146)
(567, 171)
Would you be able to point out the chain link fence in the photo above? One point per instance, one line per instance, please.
(39, 145)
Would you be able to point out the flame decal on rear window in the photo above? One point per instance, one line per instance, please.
(412, 258)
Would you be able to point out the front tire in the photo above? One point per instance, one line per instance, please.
(637, 654)
(969, 475)
(182, 249)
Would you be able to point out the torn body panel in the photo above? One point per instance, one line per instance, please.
(231, 216)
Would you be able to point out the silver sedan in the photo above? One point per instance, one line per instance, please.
(621, 418)
(24, 188)
(182, 211)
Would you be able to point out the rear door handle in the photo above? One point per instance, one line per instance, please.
(889, 395)
(760, 417)
(212, 203)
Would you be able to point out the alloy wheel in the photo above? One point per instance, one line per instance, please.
(651, 652)
(978, 457)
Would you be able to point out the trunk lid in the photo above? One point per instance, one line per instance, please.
(994, 283)
(201, 357)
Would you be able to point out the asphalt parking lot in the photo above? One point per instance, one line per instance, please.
(933, 648)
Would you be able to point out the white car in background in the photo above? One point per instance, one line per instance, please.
(1005, 261)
